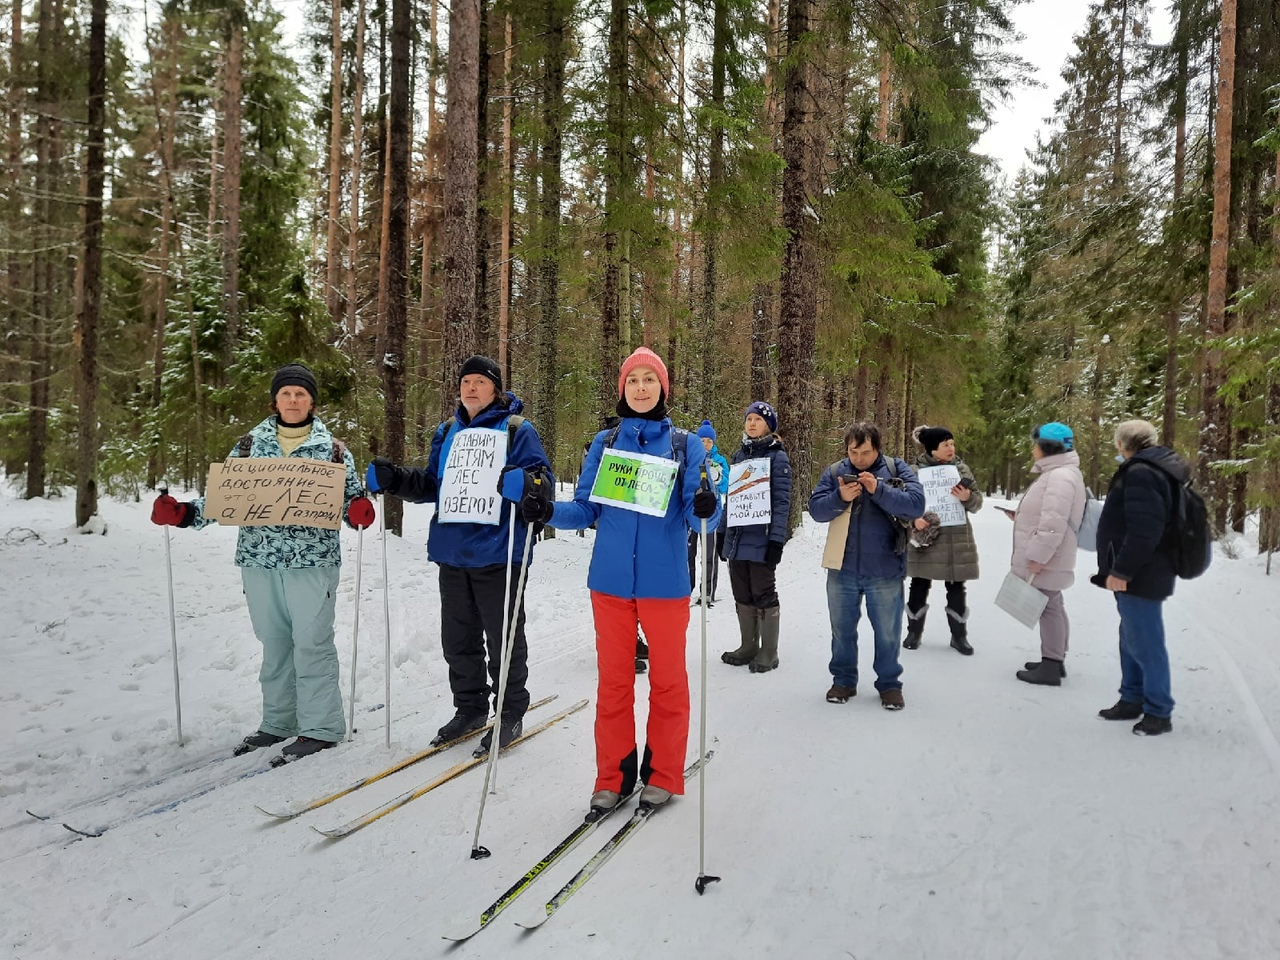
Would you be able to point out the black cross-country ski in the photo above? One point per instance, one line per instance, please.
(638, 819)
(350, 827)
(297, 809)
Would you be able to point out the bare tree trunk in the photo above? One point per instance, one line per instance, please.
(1269, 521)
(398, 135)
(761, 337)
(1173, 317)
(720, 47)
(886, 95)
(484, 325)
(1215, 433)
(16, 303)
(508, 176)
(231, 180)
(42, 279)
(677, 202)
(799, 288)
(611, 319)
(460, 200)
(91, 287)
(333, 262)
(357, 156)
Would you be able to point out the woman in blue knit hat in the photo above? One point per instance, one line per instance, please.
(756, 530)
(718, 473)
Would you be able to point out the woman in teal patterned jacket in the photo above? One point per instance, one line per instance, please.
(290, 577)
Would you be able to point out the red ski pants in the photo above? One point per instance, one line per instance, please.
(665, 623)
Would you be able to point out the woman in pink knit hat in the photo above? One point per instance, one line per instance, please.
(643, 485)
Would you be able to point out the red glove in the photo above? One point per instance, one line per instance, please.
(360, 513)
(168, 512)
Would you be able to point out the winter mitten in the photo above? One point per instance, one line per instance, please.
(773, 552)
(704, 504)
(360, 513)
(168, 512)
(383, 476)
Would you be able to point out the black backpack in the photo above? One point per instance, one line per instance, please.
(1188, 534)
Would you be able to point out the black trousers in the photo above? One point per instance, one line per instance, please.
(754, 583)
(471, 611)
(918, 594)
(712, 560)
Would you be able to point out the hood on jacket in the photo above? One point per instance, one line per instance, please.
(1166, 458)
(1068, 458)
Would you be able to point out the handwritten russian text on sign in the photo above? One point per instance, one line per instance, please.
(469, 486)
(275, 491)
(635, 481)
(749, 497)
(937, 483)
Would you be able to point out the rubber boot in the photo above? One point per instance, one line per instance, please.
(959, 624)
(770, 623)
(749, 624)
(1047, 673)
(915, 627)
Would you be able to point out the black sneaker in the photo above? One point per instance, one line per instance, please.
(642, 649)
(509, 730)
(641, 665)
(463, 722)
(302, 747)
(1150, 726)
(1123, 710)
(256, 741)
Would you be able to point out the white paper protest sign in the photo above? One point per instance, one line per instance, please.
(750, 501)
(469, 485)
(937, 483)
(634, 481)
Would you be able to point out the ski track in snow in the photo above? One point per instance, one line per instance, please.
(990, 819)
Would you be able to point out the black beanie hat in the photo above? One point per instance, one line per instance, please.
(931, 438)
(483, 366)
(295, 375)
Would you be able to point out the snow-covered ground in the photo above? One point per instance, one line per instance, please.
(990, 819)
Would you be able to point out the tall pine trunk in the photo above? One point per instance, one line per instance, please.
(507, 182)
(1173, 317)
(611, 321)
(460, 200)
(333, 260)
(43, 263)
(231, 151)
(357, 179)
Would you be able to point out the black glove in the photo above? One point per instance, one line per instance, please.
(704, 504)
(773, 552)
(538, 502)
(383, 476)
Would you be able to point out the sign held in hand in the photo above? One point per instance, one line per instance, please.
(469, 483)
(750, 497)
(275, 491)
(937, 483)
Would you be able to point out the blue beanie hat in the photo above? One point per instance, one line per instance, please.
(1055, 432)
(707, 431)
(764, 411)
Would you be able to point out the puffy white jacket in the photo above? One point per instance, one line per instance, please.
(1044, 529)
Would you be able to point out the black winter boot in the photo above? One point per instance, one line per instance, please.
(915, 627)
(1032, 664)
(256, 741)
(959, 624)
(749, 624)
(1123, 710)
(1047, 673)
(767, 658)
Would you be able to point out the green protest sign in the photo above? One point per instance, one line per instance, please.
(634, 481)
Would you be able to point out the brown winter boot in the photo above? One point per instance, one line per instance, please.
(749, 624)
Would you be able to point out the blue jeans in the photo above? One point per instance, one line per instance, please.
(1144, 659)
(845, 593)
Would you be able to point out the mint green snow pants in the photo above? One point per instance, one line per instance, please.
(292, 614)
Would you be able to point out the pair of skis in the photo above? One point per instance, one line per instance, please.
(464, 930)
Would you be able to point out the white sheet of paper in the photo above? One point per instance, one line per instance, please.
(750, 501)
(469, 486)
(937, 483)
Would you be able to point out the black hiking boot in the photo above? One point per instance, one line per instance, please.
(463, 722)
(256, 741)
(1032, 664)
(1047, 673)
(1123, 710)
(508, 730)
(1150, 726)
(302, 747)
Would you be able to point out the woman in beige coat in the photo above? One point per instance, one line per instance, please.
(1044, 542)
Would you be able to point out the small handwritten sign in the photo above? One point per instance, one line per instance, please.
(750, 501)
(275, 491)
(937, 483)
(469, 485)
(635, 481)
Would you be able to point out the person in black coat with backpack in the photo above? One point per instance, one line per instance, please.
(1136, 561)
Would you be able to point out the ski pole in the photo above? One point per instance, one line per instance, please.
(173, 625)
(510, 620)
(703, 879)
(355, 637)
(386, 617)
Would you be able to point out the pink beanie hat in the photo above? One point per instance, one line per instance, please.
(644, 357)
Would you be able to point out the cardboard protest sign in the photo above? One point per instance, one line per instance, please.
(469, 485)
(750, 500)
(635, 481)
(275, 491)
(937, 483)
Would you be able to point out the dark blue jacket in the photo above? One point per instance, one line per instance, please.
(749, 543)
(473, 544)
(1133, 531)
(871, 549)
(636, 555)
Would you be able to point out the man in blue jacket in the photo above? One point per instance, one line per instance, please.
(1136, 563)
(866, 499)
(473, 555)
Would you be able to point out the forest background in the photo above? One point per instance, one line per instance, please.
(785, 198)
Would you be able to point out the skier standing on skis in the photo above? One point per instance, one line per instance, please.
(471, 550)
(290, 577)
(644, 485)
